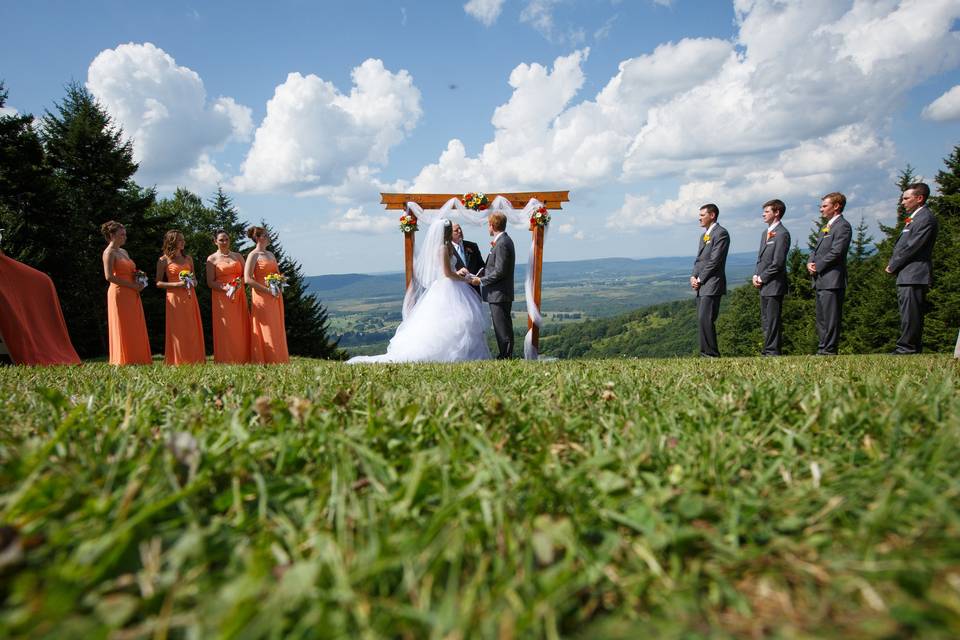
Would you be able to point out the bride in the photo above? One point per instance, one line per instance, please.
(443, 317)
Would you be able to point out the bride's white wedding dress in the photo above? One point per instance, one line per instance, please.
(444, 322)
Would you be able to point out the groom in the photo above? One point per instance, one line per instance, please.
(497, 283)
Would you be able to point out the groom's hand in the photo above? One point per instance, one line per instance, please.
(475, 282)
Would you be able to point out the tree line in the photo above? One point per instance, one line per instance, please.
(62, 175)
(871, 322)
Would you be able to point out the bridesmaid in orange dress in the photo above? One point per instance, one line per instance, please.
(268, 344)
(231, 320)
(184, 339)
(126, 326)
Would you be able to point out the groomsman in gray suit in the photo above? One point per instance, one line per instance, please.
(770, 276)
(709, 278)
(497, 283)
(912, 262)
(828, 266)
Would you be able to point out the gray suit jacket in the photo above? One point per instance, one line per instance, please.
(912, 258)
(711, 263)
(772, 262)
(830, 256)
(497, 281)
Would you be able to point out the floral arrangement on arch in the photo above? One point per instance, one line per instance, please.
(408, 222)
(540, 217)
(476, 201)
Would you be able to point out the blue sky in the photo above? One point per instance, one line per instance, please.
(644, 109)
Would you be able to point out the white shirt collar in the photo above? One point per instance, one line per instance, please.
(833, 219)
(776, 223)
(709, 229)
(497, 237)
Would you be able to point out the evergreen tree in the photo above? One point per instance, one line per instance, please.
(949, 180)
(227, 218)
(92, 171)
(307, 323)
(943, 319)
(798, 312)
(738, 325)
(25, 189)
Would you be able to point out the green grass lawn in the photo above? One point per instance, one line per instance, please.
(793, 497)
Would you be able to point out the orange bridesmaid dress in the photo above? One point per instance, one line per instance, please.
(184, 342)
(269, 335)
(127, 328)
(231, 320)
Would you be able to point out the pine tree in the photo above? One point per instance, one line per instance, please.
(949, 180)
(25, 189)
(738, 324)
(92, 171)
(308, 331)
(799, 312)
(943, 319)
(227, 218)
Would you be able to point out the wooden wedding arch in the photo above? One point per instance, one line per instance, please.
(550, 199)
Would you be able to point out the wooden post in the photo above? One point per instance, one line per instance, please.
(408, 256)
(537, 231)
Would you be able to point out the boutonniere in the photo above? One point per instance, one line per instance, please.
(907, 222)
(826, 230)
(771, 234)
(493, 244)
(706, 238)
(468, 249)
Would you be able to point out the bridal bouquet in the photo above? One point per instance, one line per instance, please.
(276, 282)
(140, 278)
(540, 218)
(233, 286)
(408, 222)
(188, 279)
(476, 201)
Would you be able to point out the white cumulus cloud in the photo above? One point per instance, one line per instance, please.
(486, 11)
(354, 220)
(797, 103)
(946, 107)
(313, 135)
(163, 107)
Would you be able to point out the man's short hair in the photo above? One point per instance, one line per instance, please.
(711, 208)
(837, 198)
(921, 189)
(777, 206)
(498, 221)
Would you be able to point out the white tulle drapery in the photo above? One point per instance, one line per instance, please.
(454, 209)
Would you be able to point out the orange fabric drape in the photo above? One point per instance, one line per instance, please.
(31, 321)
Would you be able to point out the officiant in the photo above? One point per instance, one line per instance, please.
(467, 254)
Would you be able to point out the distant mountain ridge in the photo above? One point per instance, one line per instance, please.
(365, 309)
(333, 286)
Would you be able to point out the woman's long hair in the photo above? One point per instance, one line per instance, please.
(170, 239)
